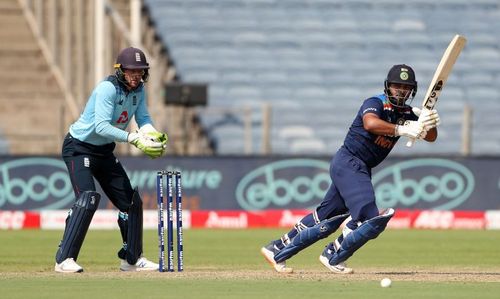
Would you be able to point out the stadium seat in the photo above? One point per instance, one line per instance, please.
(308, 146)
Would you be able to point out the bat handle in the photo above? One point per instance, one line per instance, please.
(410, 142)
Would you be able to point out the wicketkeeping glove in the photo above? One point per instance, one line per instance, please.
(158, 137)
(150, 131)
(412, 129)
(147, 145)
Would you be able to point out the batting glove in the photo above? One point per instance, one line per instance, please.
(411, 129)
(430, 118)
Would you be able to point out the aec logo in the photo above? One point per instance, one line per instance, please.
(282, 183)
(437, 183)
(49, 188)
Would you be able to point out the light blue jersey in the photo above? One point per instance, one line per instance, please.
(108, 111)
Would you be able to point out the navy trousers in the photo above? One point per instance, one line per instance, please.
(86, 162)
(351, 190)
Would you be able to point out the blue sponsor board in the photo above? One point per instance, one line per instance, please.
(442, 184)
(283, 184)
(258, 183)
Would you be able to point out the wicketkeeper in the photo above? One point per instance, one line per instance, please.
(88, 153)
(378, 125)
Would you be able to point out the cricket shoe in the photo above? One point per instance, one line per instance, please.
(325, 257)
(142, 264)
(269, 252)
(68, 266)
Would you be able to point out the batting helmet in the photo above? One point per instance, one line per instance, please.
(131, 59)
(400, 74)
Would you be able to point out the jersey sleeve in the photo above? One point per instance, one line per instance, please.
(104, 108)
(142, 116)
(372, 105)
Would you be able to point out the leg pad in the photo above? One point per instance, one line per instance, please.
(134, 230)
(309, 236)
(77, 224)
(368, 230)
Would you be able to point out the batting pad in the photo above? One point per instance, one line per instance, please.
(309, 236)
(370, 229)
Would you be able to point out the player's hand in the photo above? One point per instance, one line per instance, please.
(430, 118)
(411, 129)
(146, 144)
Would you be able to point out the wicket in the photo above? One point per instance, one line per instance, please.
(170, 175)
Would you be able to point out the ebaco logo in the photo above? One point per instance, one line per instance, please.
(282, 183)
(50, 188)
(443, 184)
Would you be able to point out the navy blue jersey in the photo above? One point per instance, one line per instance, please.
(371, 148)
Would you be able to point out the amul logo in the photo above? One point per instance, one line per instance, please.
(443, 184)
(48, 187)
(299, 182)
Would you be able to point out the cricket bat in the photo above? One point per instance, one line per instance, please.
(441, 75)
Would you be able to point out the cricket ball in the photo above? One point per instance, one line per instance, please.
(385, 283)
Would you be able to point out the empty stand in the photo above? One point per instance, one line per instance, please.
(316, 61)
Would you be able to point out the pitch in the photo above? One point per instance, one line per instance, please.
(227, 264)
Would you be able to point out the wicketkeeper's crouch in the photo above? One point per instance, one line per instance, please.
(380, 121)
(88, 153)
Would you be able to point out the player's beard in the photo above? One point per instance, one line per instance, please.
(133, 82)
(400, 97)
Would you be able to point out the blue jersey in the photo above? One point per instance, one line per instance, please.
(372, 148)
(108, 112)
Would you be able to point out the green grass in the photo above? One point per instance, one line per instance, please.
(227, 264)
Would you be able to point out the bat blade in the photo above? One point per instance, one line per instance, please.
(441, 74)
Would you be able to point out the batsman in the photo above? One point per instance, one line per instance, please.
(88, 153)
(378, 125)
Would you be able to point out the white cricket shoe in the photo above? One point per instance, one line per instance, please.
(340, 268)
(68, 266)
(269, 252)
(143, 264)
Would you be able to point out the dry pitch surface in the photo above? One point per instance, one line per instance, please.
(366, 274)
